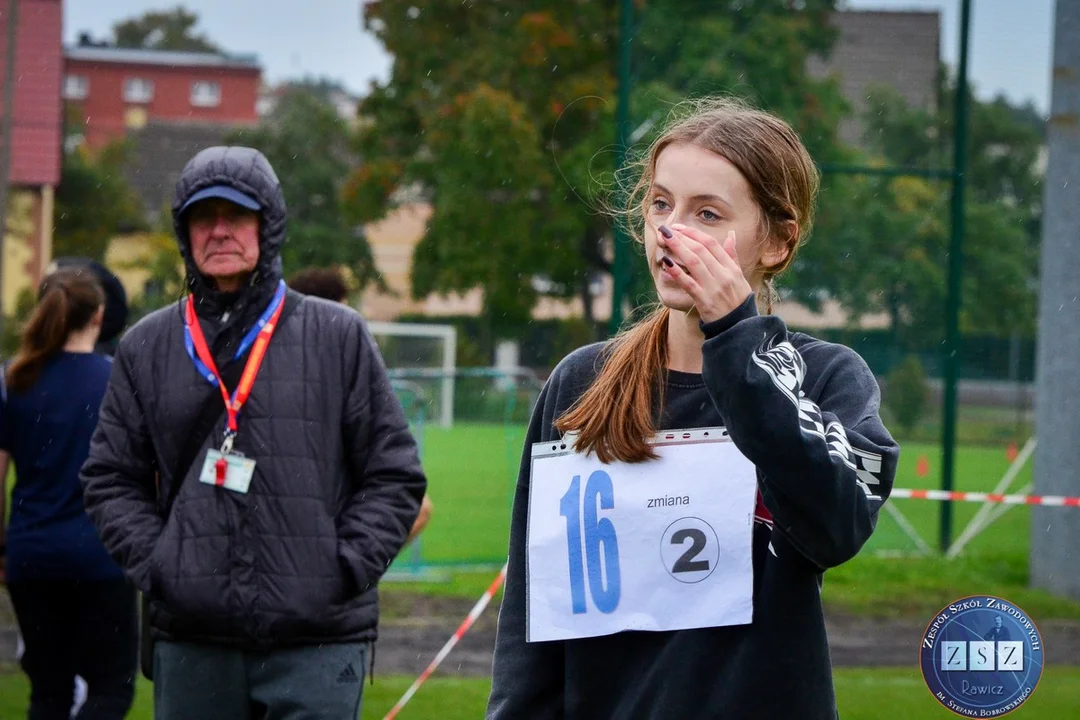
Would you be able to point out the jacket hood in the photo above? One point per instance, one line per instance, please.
(247, 170)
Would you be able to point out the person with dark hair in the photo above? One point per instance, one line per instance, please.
(116, 304)
(253, 471)
(329, 283)
(324, 282)
(76, 612)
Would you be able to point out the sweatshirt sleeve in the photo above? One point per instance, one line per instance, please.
(825, 461)
(527, 678)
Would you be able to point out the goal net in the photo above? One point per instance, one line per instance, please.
(422, 359)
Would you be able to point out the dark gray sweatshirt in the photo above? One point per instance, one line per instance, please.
(805, 412)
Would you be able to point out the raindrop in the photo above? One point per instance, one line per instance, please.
(554, 68)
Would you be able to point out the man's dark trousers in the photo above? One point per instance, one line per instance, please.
(212, 683)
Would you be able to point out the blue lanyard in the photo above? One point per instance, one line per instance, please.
(245, 344)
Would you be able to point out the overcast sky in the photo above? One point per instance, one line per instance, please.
(1010, 42)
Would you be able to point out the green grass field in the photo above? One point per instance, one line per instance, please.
(472, 470)
(977, 468)
(862, 694)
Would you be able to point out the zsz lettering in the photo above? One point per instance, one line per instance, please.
(952, 658)
(1008, 658)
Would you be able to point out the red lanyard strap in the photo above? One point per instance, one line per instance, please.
(234, 403)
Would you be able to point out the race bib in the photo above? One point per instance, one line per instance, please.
(659, 545)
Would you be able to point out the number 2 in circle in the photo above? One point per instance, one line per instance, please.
(604, 578)
(686, 561)
(690, 550)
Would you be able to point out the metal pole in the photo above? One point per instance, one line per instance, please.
(956, 260)
(5, 135)
(1055, 533)
(620, 264)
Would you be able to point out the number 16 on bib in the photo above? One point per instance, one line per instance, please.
(659, 545)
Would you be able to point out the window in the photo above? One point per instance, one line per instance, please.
(205, 94)
(135, 118)
(76, 87)
(138, 90)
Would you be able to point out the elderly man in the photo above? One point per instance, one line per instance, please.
(252, 470)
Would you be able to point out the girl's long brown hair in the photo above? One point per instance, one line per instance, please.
(67, 302)
(616, 416)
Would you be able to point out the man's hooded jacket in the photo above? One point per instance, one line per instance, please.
(337, 480)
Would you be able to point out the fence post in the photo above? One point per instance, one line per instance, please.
(1055, 537)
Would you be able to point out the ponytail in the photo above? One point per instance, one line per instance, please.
(67, 302)
(615, 418)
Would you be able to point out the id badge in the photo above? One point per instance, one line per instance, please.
(228, 470)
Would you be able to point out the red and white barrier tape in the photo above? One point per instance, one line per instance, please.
(482, 603)
(1054, 500)
(458, 634)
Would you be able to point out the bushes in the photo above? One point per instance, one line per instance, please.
(907, 394)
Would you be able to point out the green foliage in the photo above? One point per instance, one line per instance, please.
(166, 273)
(93, 202)
(307, 142)
(504, 121)
(163, 30)
(13, 324)
(758, 51)
(907, 393)
(477, 114)
(881, 244)
(880, 247)
(490, 155)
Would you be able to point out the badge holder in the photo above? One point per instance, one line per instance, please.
(227, 468)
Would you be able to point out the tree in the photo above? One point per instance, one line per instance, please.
(307, 142)
(879, 249)
(93, 201)
(756, 50)
(491, 75)
(163, 30)
(882, 244)
(545, 79)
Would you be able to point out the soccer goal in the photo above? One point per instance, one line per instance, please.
(423, 349)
